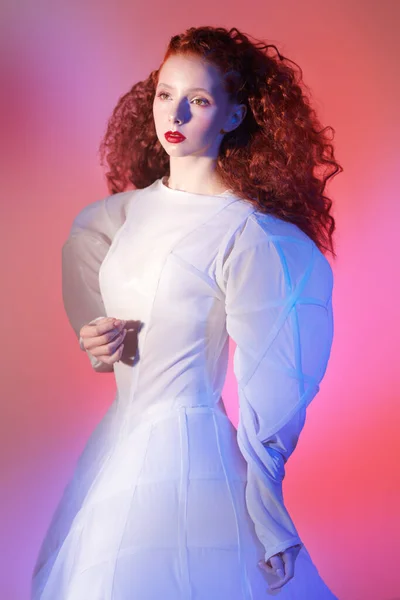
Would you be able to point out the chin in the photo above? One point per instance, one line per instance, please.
(176, 150)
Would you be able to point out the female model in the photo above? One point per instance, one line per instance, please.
(223, 235)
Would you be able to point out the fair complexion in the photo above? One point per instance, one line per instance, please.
(281, 565)
(190, 98)
(200, 114)
(104, 339)
(179, 105)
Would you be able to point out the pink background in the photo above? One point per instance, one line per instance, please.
(64, 65)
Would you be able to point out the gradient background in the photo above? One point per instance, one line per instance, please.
(63, 69)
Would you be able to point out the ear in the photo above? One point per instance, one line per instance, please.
(236, 117)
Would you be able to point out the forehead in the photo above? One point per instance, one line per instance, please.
(190, 71)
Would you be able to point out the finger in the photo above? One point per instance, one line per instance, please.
(101, 341)
(280, 584)
(113, 335)
(272, 564)
(98, 348)
(89, 328)
(277, 566)
(288, 560)
(114, 357)
(276, 561)
(101, 327)
(107, 326)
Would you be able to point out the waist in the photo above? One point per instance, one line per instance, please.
(155, 411)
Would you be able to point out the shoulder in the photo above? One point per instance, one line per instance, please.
(265, 242)
(104, 216)
(267, 228)
(255, 228)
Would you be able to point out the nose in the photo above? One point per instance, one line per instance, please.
(173, 118)
(179, 112)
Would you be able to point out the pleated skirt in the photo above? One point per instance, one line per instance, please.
(160, 513)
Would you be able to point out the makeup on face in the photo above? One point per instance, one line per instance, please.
(189, 107)
(174, 137)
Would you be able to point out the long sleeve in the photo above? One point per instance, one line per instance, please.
(278, 295)
(90, 238)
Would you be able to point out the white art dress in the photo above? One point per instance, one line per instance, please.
(168, 501)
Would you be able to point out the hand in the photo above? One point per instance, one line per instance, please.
(281, 565)
(104, 338)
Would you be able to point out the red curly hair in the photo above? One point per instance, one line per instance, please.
(279, 158)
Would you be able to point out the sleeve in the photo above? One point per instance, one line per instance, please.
(278, 297)
(89, 240)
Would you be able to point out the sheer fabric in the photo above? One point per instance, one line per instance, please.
(165, 484)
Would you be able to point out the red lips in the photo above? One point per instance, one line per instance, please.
(174, 137)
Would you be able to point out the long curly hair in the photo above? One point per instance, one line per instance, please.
(279, 158)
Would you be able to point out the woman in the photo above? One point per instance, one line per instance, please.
(223, 235)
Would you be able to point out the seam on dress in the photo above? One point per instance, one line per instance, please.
(287, 238)
(295, 318)
(276, 327)
(308, 395)
(311, 300)
(203, 222)
(198, 273)
(78, 515)
(126, 206)
(246, 589)
(142, 346)
(133, 490)
(71, 572)
(110, 252)
(258, 216)
(186, 587)
(222, 259)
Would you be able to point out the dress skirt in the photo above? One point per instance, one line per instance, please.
(161, 514)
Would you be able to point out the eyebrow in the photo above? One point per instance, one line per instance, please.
(197, 89)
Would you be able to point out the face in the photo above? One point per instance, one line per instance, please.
(198, 114)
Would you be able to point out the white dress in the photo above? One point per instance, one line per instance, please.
(168, 500)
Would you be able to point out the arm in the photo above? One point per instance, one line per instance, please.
(90, 237)
(278, 289)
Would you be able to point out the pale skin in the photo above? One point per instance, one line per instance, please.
(200, 116)
(104, 339)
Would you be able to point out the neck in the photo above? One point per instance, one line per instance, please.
(193, 178)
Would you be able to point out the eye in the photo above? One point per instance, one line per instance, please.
(202, 100)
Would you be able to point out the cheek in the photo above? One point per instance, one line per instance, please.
(159, 113)
(204, 123)
(207, 123)
(155, 113)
